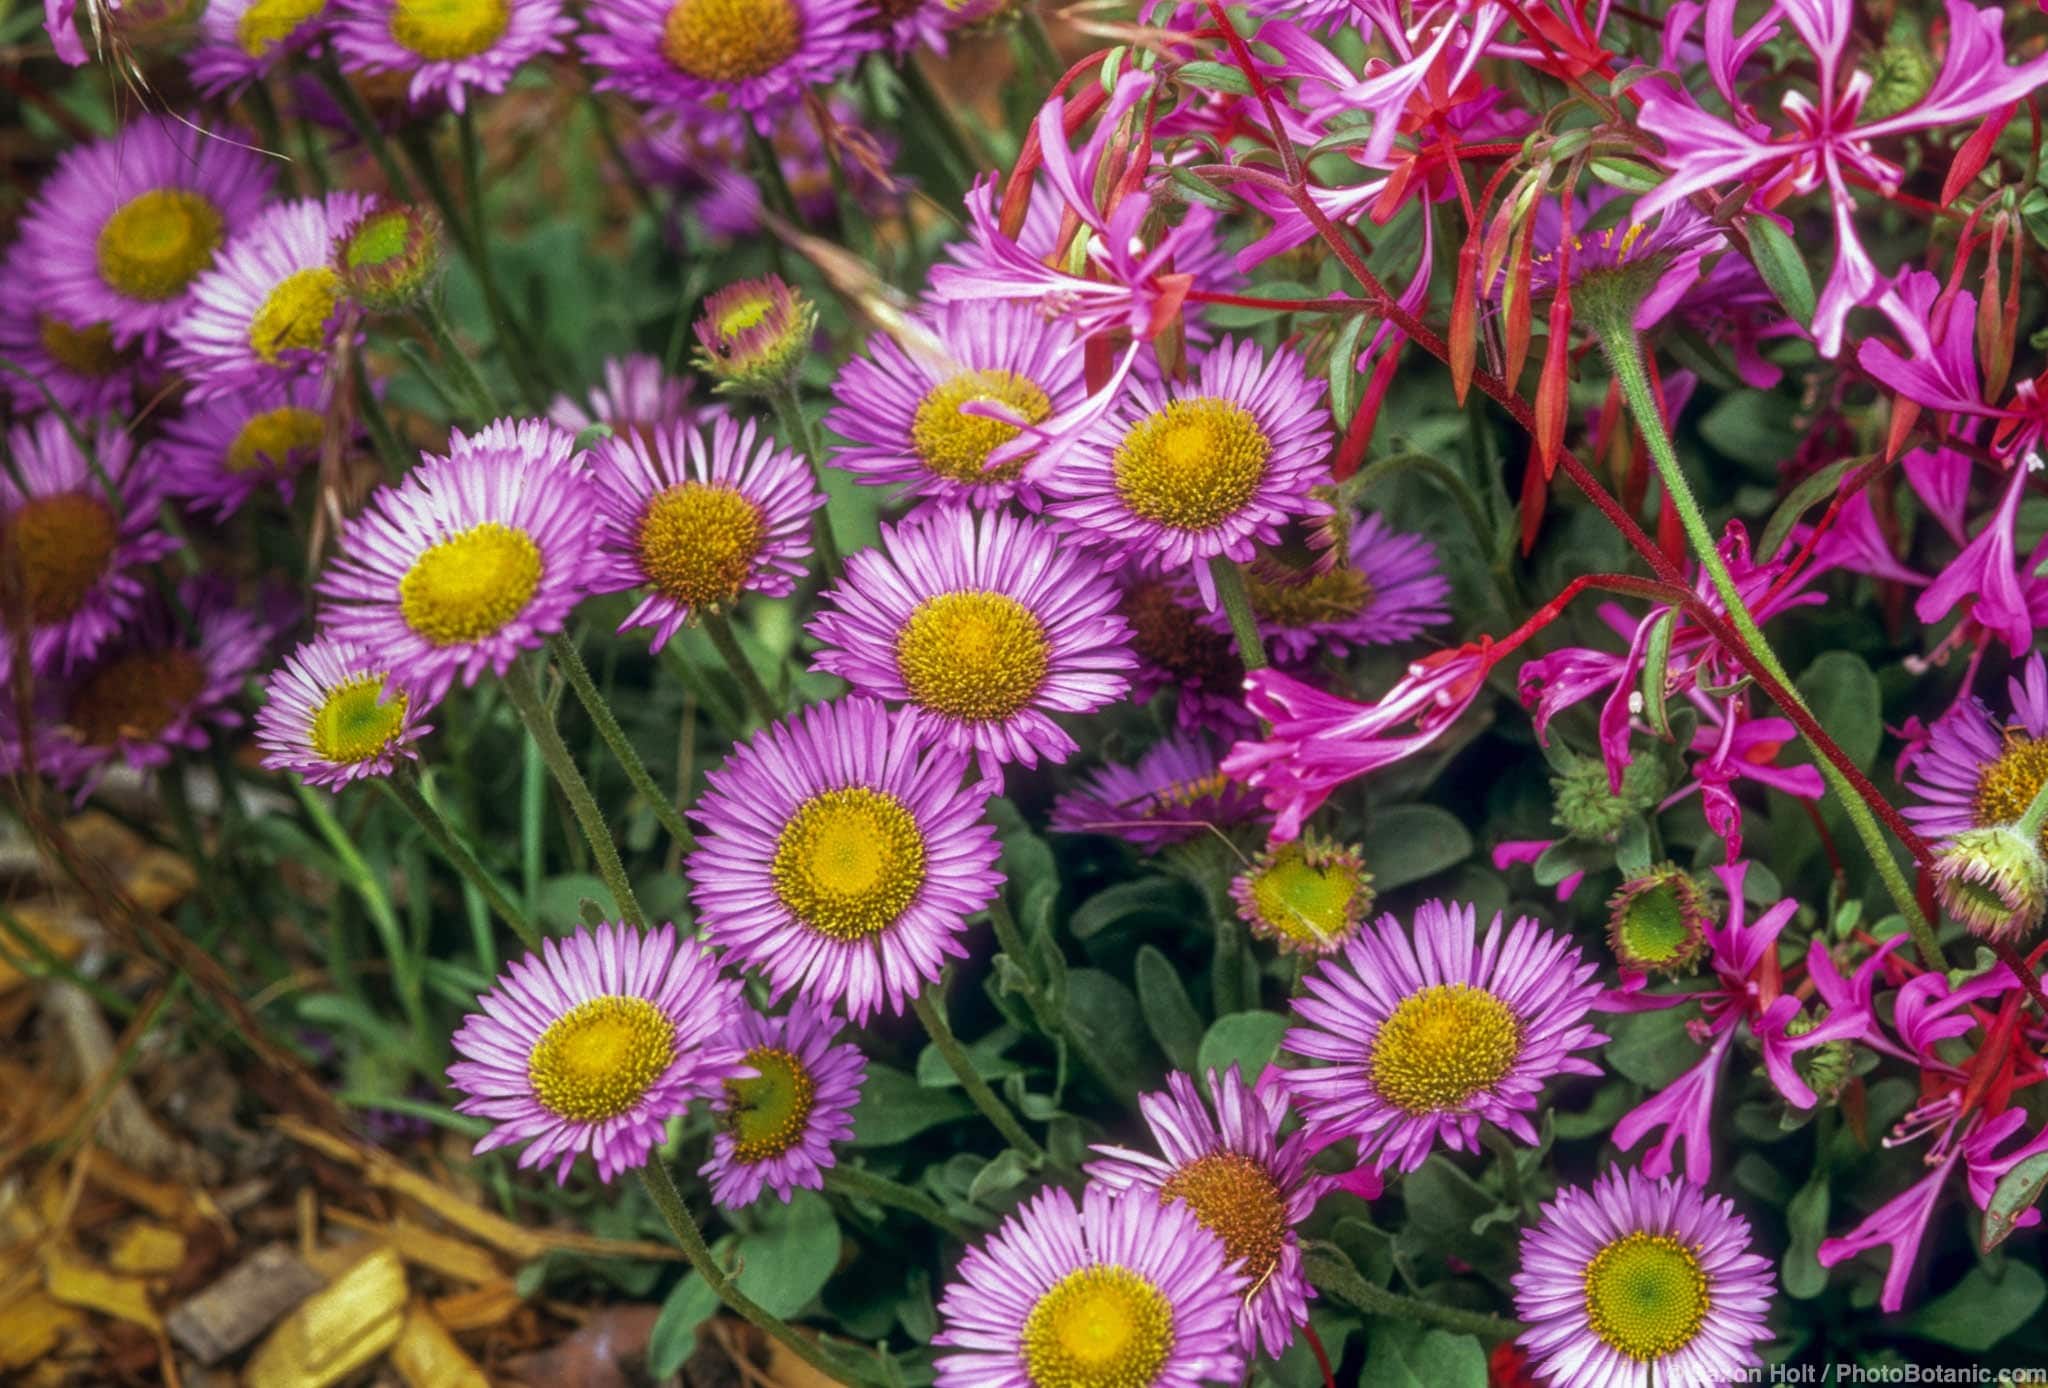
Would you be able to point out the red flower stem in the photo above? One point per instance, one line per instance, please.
(1322, 1359)
(2029, 980)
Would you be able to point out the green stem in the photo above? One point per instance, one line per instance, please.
(1039, 40)
(403, 786)
(523, 690)
(1010, 935)
(1624, 356)
(1340, 1280)
(661, 1187)
(1237, 606)
(1226, 966)
(2035, 816)
(382, 438)
(469, 384)
(789, 413)
(1509, 1157)
(360, 120)
(858, 1183)
(366, 884)
(774, 187)
(957, 1060)
(571, 663)
(719, 629)
(955, 150)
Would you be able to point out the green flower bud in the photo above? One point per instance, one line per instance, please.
(1587, 808)
(390, 259)
(1307, 897)
(752, 335)
(1994, 881)
(1657, 923)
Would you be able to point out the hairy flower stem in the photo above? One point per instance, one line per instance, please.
(955, 149)
(1342, 1281)
(1624, 356)
(570, 662)
(522, 689)
(796, 429)
(365, 127)
(661, 1188)
(403, 786)
(1237, 606)
(858, 1183)
(962, 1065)
(469, 386)
(719, 628)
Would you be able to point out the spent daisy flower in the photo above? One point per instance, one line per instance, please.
(267, 308)
(776, 1125)
(984, 625)
(1308, 895)
(1122, 1290)
(1388, 589)
(1429, 1032)
(330, 715)
(214, 455)
(1175, 792)
(73, 366)
(1631, 1282)
(242, 40)
(448, 48)
(594, 1044)
(1976, 771)
(1178, 649)
(928, 408)
(711, 56)
(75, 545)
(841, 855)
(473, 559)
(1224, 1158)
(698, 516)
(1200, 469)
(635, 395)
(126, 224)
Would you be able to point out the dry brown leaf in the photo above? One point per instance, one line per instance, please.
(480, 1308)
(167, 1200)
(75, 1282)
(155, 878)
(228, 1315)
(338, 1330)
(426, 1355)
(453, 1258)
(147, 1250)
(31, 1326)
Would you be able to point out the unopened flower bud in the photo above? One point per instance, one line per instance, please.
(1657, 923)
(389, 259)
(752, 334)
(1587, 807)
(1307, 896)
(1825, 1067)
(1994, 880)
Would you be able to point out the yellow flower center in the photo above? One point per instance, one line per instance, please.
(731, 41)
(1098, 1327)
(156, 242)
(1237, 1199)
(267, 23)
(441, 30)
(849, 862)
(1192, 464)
(698, 544)
(267, 442)
(134, 696)
(1309, 905)
(356, 721)
(294, 314)
(1646, 1295)
(1331, 596)
(767, 1114)
(83, 351)
(62, 545)
(956, 445)
(976, 656)
(2008, 785)
(1443, 1045)
(469, 585)
(598, 1059)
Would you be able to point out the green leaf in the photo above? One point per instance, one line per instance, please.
(1248, 1039)
(1982, 1309)
(1656, 670)
(1005, 1173)
(1215, 77)
(689, 1304)
(1811, 491)
(1153, 898)
(1169, 1012)
(1779, 261)
(1200, 190)
(894, 1107)
(1625, 174)
(1651, 1048)
(1102, 1017)
(1754, 427)
(1344, 377)
(559, 902)
(1406, 843)
(787, 1262)
(1400, 1355)
(1844, 696)
(2015, 1194)
(1806, 1215)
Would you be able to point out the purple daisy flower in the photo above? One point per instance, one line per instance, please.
(216, 454)
(913, 24)
(126, 224)
(1125, 1290)
(905, 407)
(450, 49)
(1178, 649)
(1432, 1033)
(471, 560)
(776, 1126)
(1974, 770)
(1244, 1182)
(1175, 792)
(154, 689)
(751, 56)
(594, 1044)
(637, 396)
(985, 625)
(75, 545)
(1388, 589)
(1632, 1282)
(241, 40)
(842, 856)
(74, 367)
(332, 716)
(699, 517)
(704, 158)
(267, 308)
(1193, 470)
